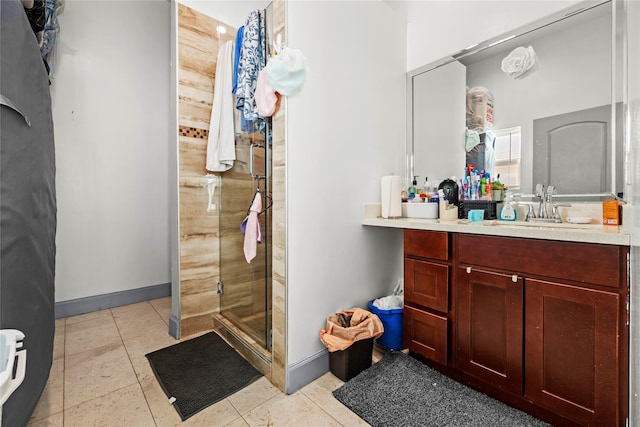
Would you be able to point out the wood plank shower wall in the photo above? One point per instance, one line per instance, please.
(198, 44)
(279, 298)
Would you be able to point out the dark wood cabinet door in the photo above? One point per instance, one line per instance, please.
(426, 334)
(490, 327)
(572, 355)
(426, 284)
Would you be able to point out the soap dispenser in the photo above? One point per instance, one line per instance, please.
(508, 211)
(412, 189)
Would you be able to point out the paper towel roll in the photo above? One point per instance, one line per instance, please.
(390, 196)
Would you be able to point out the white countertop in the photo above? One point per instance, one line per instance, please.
(591, 233)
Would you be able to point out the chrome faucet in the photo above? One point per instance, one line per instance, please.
(546, 199)
(540, 192)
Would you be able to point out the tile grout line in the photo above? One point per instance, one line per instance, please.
(134, 368)
(242, 415)
(159, 314)
(97, 397)
(321, 408)
(252, 409)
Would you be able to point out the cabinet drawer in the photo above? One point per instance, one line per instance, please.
(426, 334)
(582, 262)
(426, 284)
(426, 244)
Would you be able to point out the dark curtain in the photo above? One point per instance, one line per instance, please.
(27, 205)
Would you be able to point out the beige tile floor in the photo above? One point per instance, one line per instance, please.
(100, 377)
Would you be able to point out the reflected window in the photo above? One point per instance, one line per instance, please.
(507, 153)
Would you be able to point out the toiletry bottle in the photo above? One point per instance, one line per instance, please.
(466, 194)
(475, 185)
(508, 211)
(427, 186)
(412, 189)
(488, 186)
(403, 193)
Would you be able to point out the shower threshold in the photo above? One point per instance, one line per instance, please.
(258, 356)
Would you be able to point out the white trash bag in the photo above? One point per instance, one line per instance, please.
(395, 300)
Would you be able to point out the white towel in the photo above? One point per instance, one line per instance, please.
(221, 148)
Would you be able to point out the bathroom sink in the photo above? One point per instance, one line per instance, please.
(544, 221)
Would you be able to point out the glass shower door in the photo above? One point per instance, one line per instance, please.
(246, 287)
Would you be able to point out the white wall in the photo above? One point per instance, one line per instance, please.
(345, 129)
(437, 29)
(110, 91)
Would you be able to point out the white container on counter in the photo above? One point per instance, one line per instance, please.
(420, 210)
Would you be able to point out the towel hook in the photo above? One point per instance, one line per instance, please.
(266, 196)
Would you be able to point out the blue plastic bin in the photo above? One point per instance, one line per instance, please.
(391, 339)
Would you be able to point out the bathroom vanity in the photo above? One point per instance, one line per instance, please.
(535, 315)
(525, 314)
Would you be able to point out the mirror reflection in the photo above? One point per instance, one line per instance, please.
(537, 108)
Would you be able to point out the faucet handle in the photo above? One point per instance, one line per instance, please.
(555, 214)
(530, 213)
(539, 190)
(551, 190)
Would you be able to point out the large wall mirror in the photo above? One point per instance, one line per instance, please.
(561, 123)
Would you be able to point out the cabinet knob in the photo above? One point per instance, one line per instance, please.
(514, 278)
(468, 269)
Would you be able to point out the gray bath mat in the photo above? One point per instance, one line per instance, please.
(401, 391)
(200, 372)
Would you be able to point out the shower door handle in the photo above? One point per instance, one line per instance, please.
(253, 175)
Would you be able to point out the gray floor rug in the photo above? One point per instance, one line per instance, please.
(401, 391)
(200, 372)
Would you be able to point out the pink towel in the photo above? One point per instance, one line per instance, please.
(266, 98)
(252, 233)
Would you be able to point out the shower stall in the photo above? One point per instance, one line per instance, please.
(245, 287)
(213, 284)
